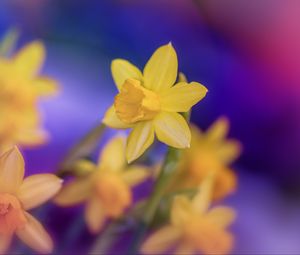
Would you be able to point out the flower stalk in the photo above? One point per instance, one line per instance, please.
(82, 149)
(168, 168)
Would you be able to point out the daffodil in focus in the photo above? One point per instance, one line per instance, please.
(20, 89)
(107, 189)
(17, 196)
(150, 104)
(210, 153)
(194, 227)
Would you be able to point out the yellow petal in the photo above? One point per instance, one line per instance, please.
(161, 70)
(112, 156)
(37, 189)
(162, 240)
(135, 175)
(229, 151)
(95, 215)
(29, 60)
(45, 86)
(112, 120)
(74, 192)
(182, 96)
(222, 216)
(140, 138)
(32, 137)
(202, 200)
(181, 210)
(11, 170)
(218, 130)
(172, 129)
(35, 236)
(122, 70)
(225, 183)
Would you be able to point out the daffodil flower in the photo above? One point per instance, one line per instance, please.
(210, 153)
(194, 227)
(107, 190)
(17, 195)
(149, 103)
(20, 89)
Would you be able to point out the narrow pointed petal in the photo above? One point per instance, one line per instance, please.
(162, 240)
(74, 192)
(218, 130)
(11, 170)
(112, 120)
(135, 175)
(122, 70)
(95, 215)
(112, 156)
(37, 189)
(202, 200)
(160, 72)
(172, 129)
(182, 96)
(139, 140)
(29, 60)
(45, 86)
(32, 137)
(222, 216)
(229, 151)
(35, 236)
(181, 210)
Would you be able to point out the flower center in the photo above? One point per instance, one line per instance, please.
(135, 103)
(202, 163)
(114, 194)
(11, 214)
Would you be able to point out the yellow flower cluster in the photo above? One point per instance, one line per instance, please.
(194, 227)
(150, 103)
(106, 190)
(20, 89)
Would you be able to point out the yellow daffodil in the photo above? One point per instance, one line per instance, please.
(20, 89)
(17, 196)
(210, 153)
(149, 103)
(193, 228)
(107, 190)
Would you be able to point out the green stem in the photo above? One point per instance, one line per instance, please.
(168, 169)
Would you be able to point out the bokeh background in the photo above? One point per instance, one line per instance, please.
(246, 52)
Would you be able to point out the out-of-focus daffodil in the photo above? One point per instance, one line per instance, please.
(194, 228)
(210, 153)
(17, 196)
(107, 189)
(150, 103)
(20, 89)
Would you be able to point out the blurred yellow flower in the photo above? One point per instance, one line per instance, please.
(210, 153)
(194, 227)
(20, 89)
(150, 104)
(107, 190)
(17, 196)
